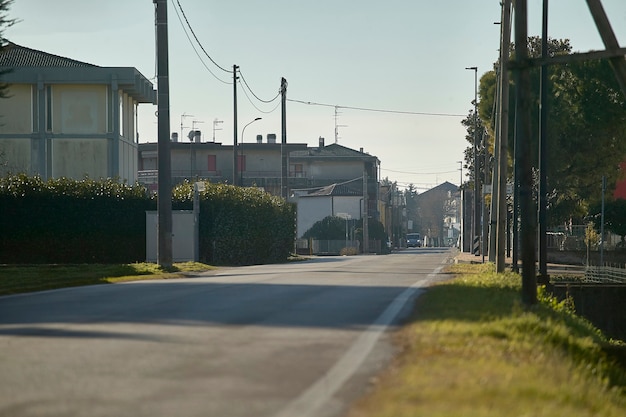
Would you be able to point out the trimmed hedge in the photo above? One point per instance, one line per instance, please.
(241, 226)
(103, 221)
(68, 221)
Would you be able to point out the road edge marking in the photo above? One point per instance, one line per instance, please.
(313, 398)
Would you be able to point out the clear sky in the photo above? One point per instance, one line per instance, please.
(397, 55)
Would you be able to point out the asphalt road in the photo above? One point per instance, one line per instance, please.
(292, 340)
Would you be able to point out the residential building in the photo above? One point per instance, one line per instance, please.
(438, 210)
(66, 118)
(258, 164)
(340, 200)
(310, 170)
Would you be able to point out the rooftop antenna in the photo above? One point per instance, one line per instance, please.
(182, 118)
(215, 123)
(193, 126)
(337, 126)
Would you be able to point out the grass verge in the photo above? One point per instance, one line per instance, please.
(472, 349)
(16, 279)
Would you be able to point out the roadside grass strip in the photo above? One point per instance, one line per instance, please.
(15, 279)
(471, 348)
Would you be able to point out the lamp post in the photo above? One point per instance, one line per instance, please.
(475, 222)
(241, 164)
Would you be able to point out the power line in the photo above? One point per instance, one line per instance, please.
(419, 173)
(194, 48)
(197, 40)
(252, 92)
(255, 106)
(312, 103)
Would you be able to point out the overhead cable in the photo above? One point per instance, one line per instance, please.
(197, 40)
(196, 51)
(252, 92)
(311, 103)
(419, 173)
(255, 106)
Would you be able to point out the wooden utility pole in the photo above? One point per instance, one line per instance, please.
(523, 132)
(284, 178)
(476, 244)
(164, 176)
(543, 277)
(366, 235)
(235, 144)
(618, 62)
(503, 135)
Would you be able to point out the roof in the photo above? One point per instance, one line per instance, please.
(331, 151)
(345, 189)
(21, 65)
(443, 187)
(13, 55)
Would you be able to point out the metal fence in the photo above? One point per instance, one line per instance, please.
(334, 247)
(605, 274)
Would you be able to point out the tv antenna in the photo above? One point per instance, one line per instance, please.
(337, 126)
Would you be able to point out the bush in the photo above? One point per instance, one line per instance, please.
(69, 221)
(104, 221)
(241, 226)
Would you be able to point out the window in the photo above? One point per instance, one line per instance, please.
(49, 108)
(241, 163)
(212, 163)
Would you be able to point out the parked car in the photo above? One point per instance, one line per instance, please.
(413, 240)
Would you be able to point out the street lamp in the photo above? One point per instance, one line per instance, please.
(475, 223)
(241, 157)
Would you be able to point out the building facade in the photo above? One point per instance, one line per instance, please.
(66, 118)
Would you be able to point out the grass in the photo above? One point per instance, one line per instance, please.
(16, 279)
(472, 349)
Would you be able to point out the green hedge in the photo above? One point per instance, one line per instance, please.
(103, 221)
(68, 221)
(241, 226)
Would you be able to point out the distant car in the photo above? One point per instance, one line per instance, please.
(413, 240)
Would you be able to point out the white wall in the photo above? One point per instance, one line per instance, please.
(314, 209)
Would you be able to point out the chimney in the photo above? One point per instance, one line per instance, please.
(259, 138)
(361, 150)
(174, 137)
(321, 142)
(271, 138)
(197, 135)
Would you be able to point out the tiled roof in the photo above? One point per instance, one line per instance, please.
(348, 188)
(333, 150)
(13, 56)
(443, 187)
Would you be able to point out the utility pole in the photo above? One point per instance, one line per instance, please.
(284, 156)
(543, 148)
(164, 202)
(618, 62)
(366, 236)
(503, 127)
(477, 199)
(493, 221)
(235, 159)
(523, 131)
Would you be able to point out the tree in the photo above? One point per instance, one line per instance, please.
(614, 218)
(586, 128)
(5, 22)
(329, 228)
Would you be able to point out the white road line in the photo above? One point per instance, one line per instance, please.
(318, 394)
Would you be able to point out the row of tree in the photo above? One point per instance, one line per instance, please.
(586, 132)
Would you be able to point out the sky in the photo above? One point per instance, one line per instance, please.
(396, 69)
